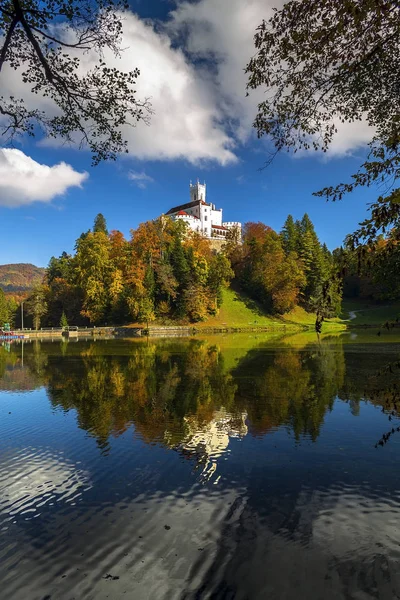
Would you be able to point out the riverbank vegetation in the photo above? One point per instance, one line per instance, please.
(165, 275)
(168, 274)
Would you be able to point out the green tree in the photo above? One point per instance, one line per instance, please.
(4, 309)
(219, 275)
(44, 40)
(63, 320)
(100, 224)
(146, 310)
(311, 253)
(94, 273)
(321, 62)
(36, 305)
(180, 267)
(289, 235)
(12, 306)
(266, 272)
(59, 268)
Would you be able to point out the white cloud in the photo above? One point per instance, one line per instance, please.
(350, 137)
(140, 179)
(192, 69)
(23, 180)
(186, 123)
(223, 31)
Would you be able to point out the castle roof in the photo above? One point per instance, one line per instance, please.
(183, 213)
(219, 227)
(184, 206)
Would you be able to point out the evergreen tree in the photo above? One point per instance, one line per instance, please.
(59, 268)
(266, 272)
(100, 224)
(307, 225)
(289, 235)
(4, 313)
(12, 306)
(180, 263)
(298, 235)
(310, 251)
(36, 305)
(63, 320)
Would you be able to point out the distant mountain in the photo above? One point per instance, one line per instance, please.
(20, 277)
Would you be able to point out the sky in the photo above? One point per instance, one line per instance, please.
(192, 57)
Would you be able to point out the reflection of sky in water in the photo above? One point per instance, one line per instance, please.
(220, 501)
(35, 477)
(350, 520)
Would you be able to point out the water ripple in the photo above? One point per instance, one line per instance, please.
(36, 477)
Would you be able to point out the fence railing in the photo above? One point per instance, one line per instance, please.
(68, 328)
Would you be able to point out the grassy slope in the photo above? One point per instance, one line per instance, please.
(240, 312)
(369, 314)
(237, 310)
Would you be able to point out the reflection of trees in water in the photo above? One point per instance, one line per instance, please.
(180, 394)
(174, 391)
(372, 374)
(155, 386)
(17, 375)
(290, 387)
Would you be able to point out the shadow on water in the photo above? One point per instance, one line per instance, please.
(223, 468)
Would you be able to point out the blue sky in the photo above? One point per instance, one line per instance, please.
(201, 127)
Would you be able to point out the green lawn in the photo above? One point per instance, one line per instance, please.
(365, 313)
(239, 311)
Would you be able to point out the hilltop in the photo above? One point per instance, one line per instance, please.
(20, 277)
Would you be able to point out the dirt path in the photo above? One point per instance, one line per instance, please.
(353, 313)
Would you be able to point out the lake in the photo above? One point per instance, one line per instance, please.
(233, 467)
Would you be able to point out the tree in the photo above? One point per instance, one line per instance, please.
(146, 310)
(266, 272)
(310, 251)
(4, 312)
(59, 268)
(289, 235)
(94, 272)
(323, 62)
(36, 305)
(43, 41)
(118, 250)
(12, 306)
(63, 320)
(219, 275)
(100, 224)
(64, 296)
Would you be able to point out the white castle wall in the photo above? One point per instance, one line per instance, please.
(207, 214)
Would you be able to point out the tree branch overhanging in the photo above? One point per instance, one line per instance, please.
(96, 105)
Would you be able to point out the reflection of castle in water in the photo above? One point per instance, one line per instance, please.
(207, 442)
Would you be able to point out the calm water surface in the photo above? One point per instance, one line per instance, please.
(236, 467)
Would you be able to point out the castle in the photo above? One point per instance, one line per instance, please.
(202, 217)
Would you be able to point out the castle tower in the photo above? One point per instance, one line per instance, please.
(197, 191)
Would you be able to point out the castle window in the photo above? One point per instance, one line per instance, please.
(205, 218)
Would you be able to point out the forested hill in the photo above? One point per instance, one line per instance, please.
(20, 277)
